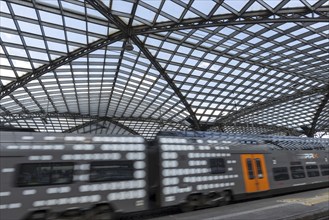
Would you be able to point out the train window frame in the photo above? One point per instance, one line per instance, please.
(217, 165)
(312, 170)
(259, 168)
(97, 166)
(51, 178)
(324, 169)
(297, 172)
(283, 173)
(251, 174)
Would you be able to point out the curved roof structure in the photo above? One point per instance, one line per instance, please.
(139, 66)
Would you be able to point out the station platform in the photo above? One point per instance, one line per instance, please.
(307, 205)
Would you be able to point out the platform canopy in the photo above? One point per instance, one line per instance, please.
(143, 66)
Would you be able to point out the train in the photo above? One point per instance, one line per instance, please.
(47, 174)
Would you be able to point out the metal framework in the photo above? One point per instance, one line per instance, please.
(139, 67)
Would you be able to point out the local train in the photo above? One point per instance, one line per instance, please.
(46, 173)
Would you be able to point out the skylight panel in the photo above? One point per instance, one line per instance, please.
(190, 14)
(4, 61)
(267, 45)
(241, 36)
(324, 41)
(32, 42)
(6, 73)
(254, 40)
(54, 32)
(197, 53)
(122, 6)
(72, 7)
(312, 36)
(294, 4)
(227, 31)
(169, 46)
(192, 40)
(153, 42)
(282, 38)
(204, 7)
(221, 10)
(57, 46)
(4, 8)
(7, 23)
(24, 11)
(11, 38)
(300, 31)
(79, 38)
(38, 55)
(256, 7)
(176, 36)
(145, 13)
(51, 17)
(236, 4)
(75, 23)
(16, 52)
(172, 9)
(94, 13)
(269, 33)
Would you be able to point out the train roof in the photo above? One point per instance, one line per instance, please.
(9, 136)
(38, 142)
(271, 142)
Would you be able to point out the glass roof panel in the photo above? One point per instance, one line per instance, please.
(191, 63)
(145, 13)
(23, 11)
(203, 7)
(172, 9)
(122, 6)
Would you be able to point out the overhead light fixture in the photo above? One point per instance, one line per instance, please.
(129, 46)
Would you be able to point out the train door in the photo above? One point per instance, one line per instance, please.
(254, 172)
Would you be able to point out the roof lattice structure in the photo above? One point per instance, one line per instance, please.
(139, 66)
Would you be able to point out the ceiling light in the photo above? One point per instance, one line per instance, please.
(129, 46)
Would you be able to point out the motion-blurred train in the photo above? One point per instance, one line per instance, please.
(43, 173)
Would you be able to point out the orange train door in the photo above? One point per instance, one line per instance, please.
(254, 172)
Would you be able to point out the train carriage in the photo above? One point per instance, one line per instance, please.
(198, 169)
(66, 173)
(57, 172)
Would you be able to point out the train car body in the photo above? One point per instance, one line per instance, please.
(42, 173)
(212, 169)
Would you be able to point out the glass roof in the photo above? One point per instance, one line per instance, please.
(139, 67)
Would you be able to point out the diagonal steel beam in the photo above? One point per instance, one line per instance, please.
(271, 128)
(311, 132)
(268, 103)
(11, 117)
(11, 87)
(96, 121)
(257, 17)
(100, 7)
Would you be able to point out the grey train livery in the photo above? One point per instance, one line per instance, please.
(46, 173)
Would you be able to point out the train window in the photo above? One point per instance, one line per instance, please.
(111, 170)
(295, 163)
(61, 173)
(280, 173)
(217, 165)
(38, 174)
(259, 168)
(250, 170)
(312, 170)
(297, 172)
(324, 169)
